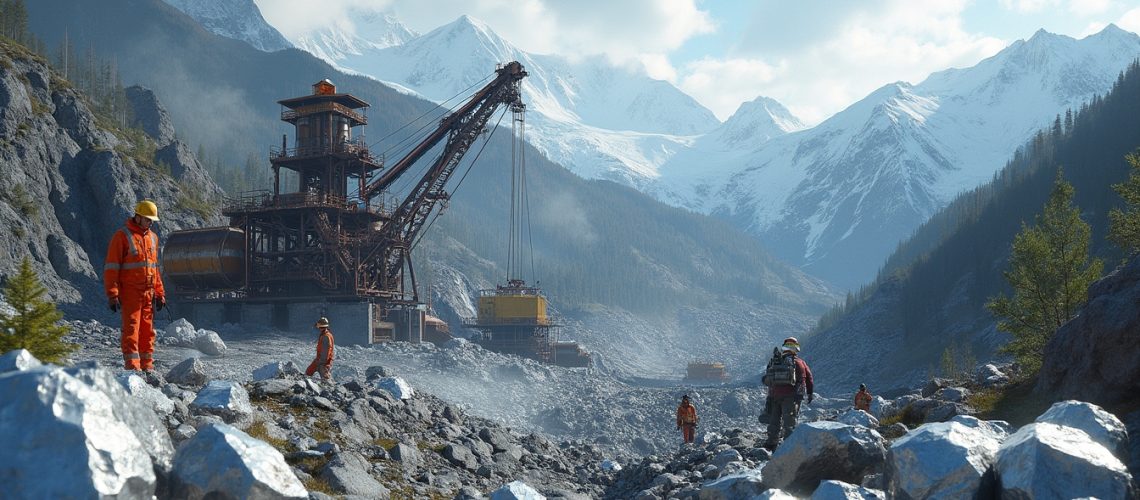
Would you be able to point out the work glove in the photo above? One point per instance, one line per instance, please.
(113, 304)
(810, 397)
(159, 303)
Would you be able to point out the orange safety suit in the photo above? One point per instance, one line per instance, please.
(131, 275)
(863, 401)
(687, 421)
(323, 362)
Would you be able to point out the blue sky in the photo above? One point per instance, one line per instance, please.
(814, 56)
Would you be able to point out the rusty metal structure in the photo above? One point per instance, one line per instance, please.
(342, 235)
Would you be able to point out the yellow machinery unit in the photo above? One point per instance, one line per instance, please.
(524, 307)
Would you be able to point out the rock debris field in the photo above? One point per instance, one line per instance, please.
(227, 414)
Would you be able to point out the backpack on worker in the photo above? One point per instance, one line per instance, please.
(781, 370)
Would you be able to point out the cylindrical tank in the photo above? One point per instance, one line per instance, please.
(206, 259)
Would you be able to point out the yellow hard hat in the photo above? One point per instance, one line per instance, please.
(148, 209)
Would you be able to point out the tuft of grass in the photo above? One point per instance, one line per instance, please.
(386, 443)
(258, 430)
(1016, 403)
(192, 200)
(318, 484)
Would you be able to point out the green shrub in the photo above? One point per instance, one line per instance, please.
(35, 324)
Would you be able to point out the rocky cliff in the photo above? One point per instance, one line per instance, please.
(1096, 356)
(73, 176)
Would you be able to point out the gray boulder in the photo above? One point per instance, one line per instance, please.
(147, 394)
(221, 461)
(998, 429)
(858, 417)
(190, 372)
(148, 114)
(818, 451)
(878, 405)
(138, 415)
(226, 399)
(1102, 426)
(1044, 460)
(408, 456)
(348, 473)
(953, 394)
(209, 342)
(276, 369)
(395, 386)
(746, 484)
(18, 359)
(1095, 357)
(944, 460)
(460, 455)
(63, 439)
(839, 490)
(516, 490)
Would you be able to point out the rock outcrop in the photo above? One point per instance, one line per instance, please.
(69, 183)
(1096, 356)
(1044, 460)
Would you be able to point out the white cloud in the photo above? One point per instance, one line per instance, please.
(899, 40)
(1089, 7)
(1130, 20)
(294, 17)
(722, 84)
(1029, 6)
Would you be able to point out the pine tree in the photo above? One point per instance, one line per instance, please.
(1050, 273)
(35, 324)
(1124, 225)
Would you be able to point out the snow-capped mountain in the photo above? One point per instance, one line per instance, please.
(837, 198)
(370, 31)
(237, 19)
(597, 119)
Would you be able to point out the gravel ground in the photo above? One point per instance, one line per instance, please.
(625, 419)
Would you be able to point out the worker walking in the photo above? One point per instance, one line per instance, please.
(789, 381)
(133, 284)
(323, 362)
(863, 399)
(687, 419)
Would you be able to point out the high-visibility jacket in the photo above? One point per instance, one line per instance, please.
(132, 262)
(863, 401)
(686, 414)
(324, 352)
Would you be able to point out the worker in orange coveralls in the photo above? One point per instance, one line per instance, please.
(687, 419)
(323, 362)
(133, 284)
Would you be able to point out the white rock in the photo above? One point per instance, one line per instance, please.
(62, 439)
(746, 484)
(395, 386)
(226, 399)
(225, 462)
(18, 359)
(209, 342)
(276, 369)
(516, 490)
(610, 465)
(818, 451)
(839, 490)
(998, 429)
(1102, 426)
(1045, 460)
(858, 417)
(944, 460)
(150, 396)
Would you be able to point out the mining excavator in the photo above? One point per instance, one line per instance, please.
(340, 245)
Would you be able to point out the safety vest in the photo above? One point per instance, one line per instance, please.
(325, 348)
(132, 262)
